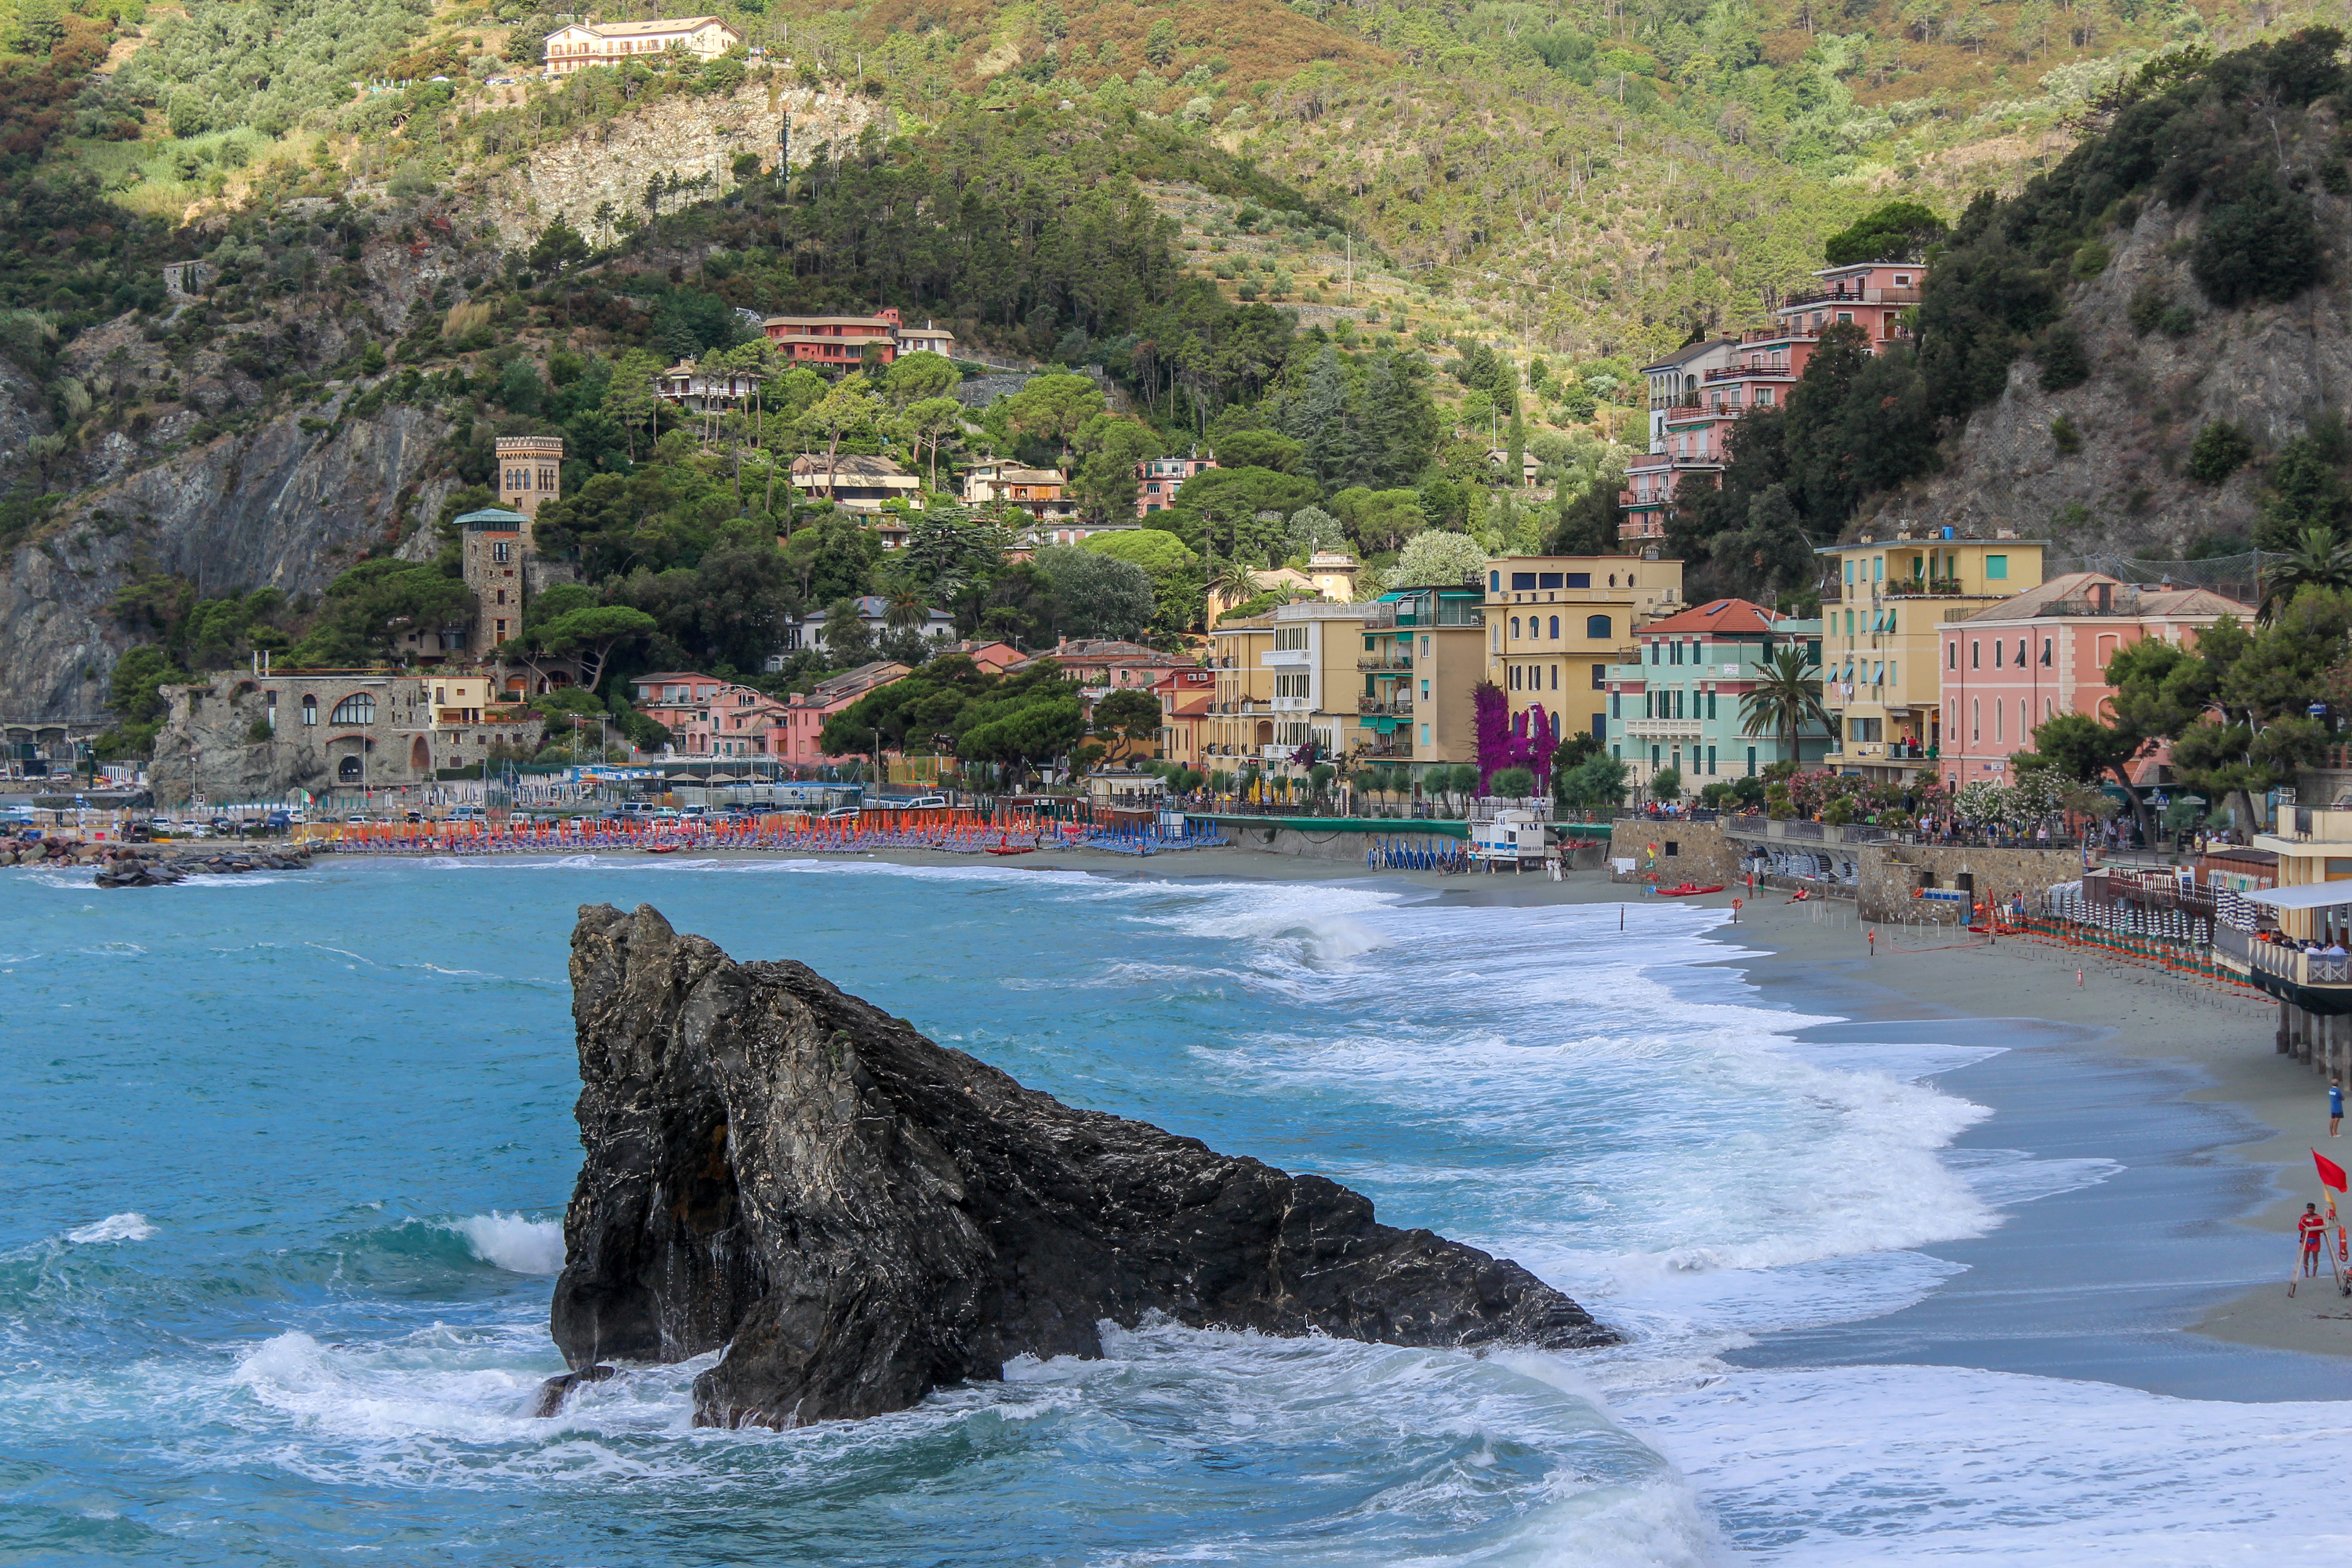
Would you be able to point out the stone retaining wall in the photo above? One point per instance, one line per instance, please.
(1690, 851)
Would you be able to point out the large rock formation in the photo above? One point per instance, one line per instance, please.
(858, 1214)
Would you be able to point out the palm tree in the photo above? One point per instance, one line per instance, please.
(1786, 697)
(906, 612)
(1233, 582)
(2319, 561)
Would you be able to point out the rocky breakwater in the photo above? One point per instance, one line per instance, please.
(857, 1215)
(147, 865)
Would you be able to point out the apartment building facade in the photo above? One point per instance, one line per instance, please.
(1158, 479)
(2014, 667)
(1679, 703)
(1419, 673)
(1554, 625)
(1882, 639)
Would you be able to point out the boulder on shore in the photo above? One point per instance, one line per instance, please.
(858, 1215)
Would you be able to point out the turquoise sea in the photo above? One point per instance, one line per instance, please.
(286, 1156)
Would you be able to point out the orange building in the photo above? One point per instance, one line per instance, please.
(837, 341)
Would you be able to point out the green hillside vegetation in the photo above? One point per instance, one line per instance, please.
(2227, 135)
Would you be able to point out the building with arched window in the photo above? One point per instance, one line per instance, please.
(359, 731)
(1555, 623)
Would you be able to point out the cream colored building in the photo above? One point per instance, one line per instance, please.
(1240, 720)
(1292, 677)
(1882, 631)
(584, 43)
(1556, 623)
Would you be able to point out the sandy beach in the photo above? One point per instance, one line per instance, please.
(2152, 1278)
(2169, 1274)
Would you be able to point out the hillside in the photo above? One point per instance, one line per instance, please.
(1502, 210)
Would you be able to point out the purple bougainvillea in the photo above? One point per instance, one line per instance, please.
(1491, 723)
(1507, 740)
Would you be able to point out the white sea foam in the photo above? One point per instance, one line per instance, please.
(517, 1245)
(1880, 1464)
(113, 1227)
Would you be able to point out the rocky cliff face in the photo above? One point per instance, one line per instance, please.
(2268, 367)
(692, 139)
(278, 506)
(858, 1214)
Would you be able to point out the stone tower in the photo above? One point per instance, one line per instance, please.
(530, 470)
(494, 542)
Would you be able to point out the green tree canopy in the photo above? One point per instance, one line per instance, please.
(1898, 231)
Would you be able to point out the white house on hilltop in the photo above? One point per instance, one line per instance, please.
(584, 43)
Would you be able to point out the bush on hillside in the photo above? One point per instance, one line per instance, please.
(2264, 246)
(2221, 450)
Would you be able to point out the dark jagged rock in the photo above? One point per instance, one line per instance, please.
(552, 1392)
(858, 1214)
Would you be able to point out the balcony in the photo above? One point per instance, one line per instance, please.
(1378, 663)
(1401, 708)
(2294, 966)
(1856, 296)
(1390, 746)
(1742, 372)
(1663, 729)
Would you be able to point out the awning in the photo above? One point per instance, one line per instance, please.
(2309, 896)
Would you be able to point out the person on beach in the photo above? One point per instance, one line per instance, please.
(2314, 1230)
(2335, 1105)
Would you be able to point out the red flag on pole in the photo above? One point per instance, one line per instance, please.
(2331, 1174)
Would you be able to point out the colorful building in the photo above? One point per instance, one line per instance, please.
(1240, 726)
(1882, 639)
(835, 342)
(1698, 396)
(1419, 672)
(1185, 696)
(1678, 703)
(1159, 479)
(1037, 491)
(2012, 667)
(797, 740)
(1556, 623)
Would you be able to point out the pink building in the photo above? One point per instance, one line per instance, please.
(795, 740)
(1698, 393)
(737, 722)
(1160, 478)
(673, 698)
(2046, 652)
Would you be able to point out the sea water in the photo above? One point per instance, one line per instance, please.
(286, 1156)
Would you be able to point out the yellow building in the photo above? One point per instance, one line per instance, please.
(1556, 623)
(1240, 720)
(1880, 676)
(1419, 669)
(1291, 678)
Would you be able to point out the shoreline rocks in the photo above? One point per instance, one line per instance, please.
(148, 865)
(859, 1216)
